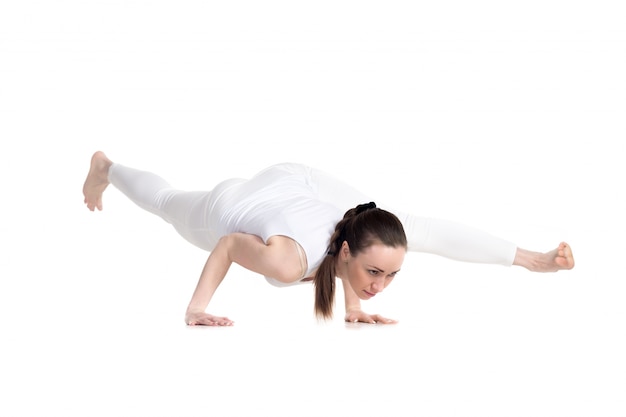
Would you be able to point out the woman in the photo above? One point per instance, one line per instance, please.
(295, 224)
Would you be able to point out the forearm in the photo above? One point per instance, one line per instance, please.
(353, 308)
(352, 302)
(213, 273)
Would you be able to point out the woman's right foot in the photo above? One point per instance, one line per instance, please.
(556, 260)
(97, 180)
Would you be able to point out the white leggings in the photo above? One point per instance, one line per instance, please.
(189, 213)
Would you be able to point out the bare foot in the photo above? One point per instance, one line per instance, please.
(553, 261)
(563, 256)
(97, 180)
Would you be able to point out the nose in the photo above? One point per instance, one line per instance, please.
(378, 285)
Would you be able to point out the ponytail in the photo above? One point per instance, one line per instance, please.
(360, 227)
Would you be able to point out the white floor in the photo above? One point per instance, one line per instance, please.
(83, 336)
(509, 120)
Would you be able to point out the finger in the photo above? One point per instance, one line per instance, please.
(206, 321)
(352, 319)
(384, 320)
(222, 321)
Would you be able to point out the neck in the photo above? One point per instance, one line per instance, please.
(341, 268)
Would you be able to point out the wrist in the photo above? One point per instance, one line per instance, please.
(191, 309)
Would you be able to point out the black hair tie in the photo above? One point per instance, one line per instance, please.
(364, 207)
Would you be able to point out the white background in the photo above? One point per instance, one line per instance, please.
(508, 116)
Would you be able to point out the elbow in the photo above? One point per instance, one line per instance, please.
(225, 246)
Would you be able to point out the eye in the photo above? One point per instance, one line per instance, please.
(373, 272)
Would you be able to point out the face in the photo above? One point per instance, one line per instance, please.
(373, 269)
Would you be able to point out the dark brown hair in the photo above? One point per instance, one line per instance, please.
(361, 227)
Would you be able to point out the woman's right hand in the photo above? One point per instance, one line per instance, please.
(200, 318)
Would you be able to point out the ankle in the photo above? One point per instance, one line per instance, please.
(525, 259)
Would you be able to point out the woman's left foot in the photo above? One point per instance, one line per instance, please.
(96, 181)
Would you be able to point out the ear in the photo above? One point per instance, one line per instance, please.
(344, 252)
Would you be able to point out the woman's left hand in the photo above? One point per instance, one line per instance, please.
(354, 316)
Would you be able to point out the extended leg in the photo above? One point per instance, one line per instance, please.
(463, 243)
(450, 239)
(440, 237)
(456, 241)
(182, 209)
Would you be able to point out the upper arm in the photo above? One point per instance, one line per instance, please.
(278, 259)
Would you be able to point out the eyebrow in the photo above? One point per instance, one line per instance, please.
(382, 270)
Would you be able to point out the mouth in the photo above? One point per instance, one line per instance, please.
(369, 294)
